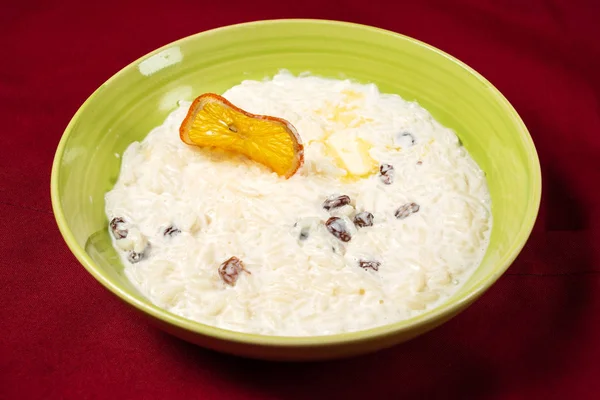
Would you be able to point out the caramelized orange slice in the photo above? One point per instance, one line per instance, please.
(212, 121)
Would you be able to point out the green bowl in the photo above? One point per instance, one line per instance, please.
(139, 97)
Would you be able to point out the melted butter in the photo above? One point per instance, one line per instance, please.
(351, 154)
(347, 152)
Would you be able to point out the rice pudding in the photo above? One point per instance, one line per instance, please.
(387, 217)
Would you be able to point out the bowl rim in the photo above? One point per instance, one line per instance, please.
(445, 310)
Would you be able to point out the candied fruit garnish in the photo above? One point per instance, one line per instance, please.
(214, 122)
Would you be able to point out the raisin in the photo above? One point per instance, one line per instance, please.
(230, 270)
(363, 219)
(303, 226)
(409, 136)
(406, 210)
(335, 202)
(337, 227)
(118, 229)
(134, 257)
(338, 248)
(304, 233)
(386, 173)
(171, 231)
(374, 265)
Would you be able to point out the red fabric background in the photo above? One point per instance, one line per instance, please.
(535, 334)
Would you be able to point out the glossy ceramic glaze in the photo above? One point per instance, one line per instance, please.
(140, 96)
